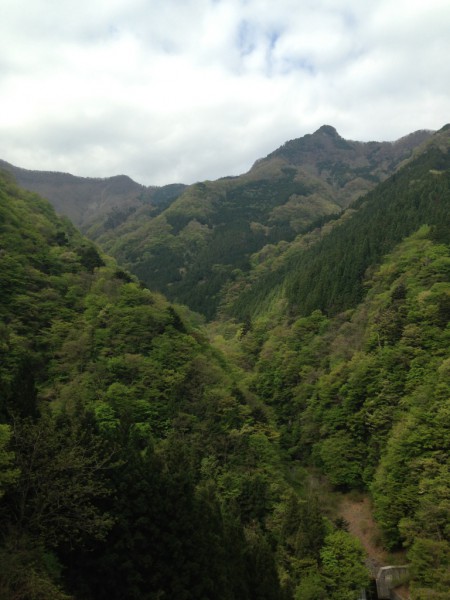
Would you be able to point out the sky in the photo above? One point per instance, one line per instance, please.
(172, 91)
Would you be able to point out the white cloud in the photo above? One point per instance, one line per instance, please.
(184, 90)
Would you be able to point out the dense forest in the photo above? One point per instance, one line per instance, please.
(134, 461)
(204, 239)
(145, 454)
(364, 397)
(326, 269)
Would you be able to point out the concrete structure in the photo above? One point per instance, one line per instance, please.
(395, 595)
(389, 578)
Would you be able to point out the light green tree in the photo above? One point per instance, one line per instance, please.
(343, 566)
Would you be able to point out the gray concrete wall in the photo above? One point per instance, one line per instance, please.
(388, 578)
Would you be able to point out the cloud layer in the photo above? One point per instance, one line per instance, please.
(187, 90)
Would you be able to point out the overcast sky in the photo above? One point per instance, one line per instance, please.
(186, 90)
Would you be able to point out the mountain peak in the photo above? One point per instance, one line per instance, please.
(327, 130)
(323, 144)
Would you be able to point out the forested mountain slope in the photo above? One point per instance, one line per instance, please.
(205, 239)
(138, 461)
(134, 462)
(365, 397)
(191, 247)
(348, 167)
(325, 269)
(352, 351)
(87, 200)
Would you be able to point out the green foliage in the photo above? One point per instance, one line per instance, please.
(430, 564)
(136, 461)
(328, 272)
(312, 587)
(206, 237)
(114, 405)
(160, 523)
(364, 396)
(90, 258)
(341, 458)
(28, 572)
(60, 475)
(8, 474)
(343, 566)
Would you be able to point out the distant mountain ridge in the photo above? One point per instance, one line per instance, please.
(326, 140)
(190, 242)
(325, 269)
(347, 166)
(212, 232)
(324, 153)
(85, 199)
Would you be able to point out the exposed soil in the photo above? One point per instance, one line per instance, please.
(358, 514)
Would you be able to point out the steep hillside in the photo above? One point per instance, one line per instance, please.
(325, 269)
(349, 168)
(134, 462)
(204, 240)
(108, 398)
(365, 398)
(351, 349)
(85, 200)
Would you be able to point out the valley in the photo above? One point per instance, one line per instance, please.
(175, 370)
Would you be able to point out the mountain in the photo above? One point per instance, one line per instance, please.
(325, 268)
(140, 460)
(349, 168)
(85, 199)
(108, 396)
(134, 460)
(346, 334)
(206, 238)
(364, 397)
(189, 243)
